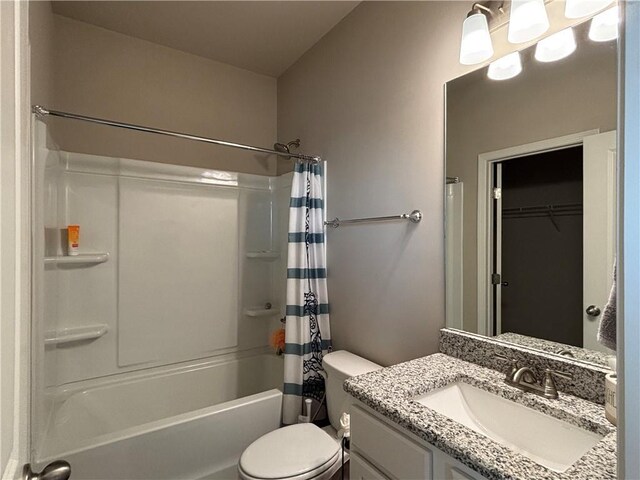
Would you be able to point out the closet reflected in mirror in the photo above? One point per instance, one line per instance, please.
(531, 200)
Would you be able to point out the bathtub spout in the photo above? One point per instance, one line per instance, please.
(58, 470)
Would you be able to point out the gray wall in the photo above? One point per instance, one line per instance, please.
(101, 73)
(369, 98)
(545, 101)
(41, 41)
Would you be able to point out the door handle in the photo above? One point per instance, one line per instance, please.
(58, 470)
(593, 311)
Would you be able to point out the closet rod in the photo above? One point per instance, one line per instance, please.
(41, 111)
(545, 208)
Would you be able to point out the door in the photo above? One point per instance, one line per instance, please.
(599, 199)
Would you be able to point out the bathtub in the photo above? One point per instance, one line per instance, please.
(188, 423)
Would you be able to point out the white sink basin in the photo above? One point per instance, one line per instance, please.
(548, 441)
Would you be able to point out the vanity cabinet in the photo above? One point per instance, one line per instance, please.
(382, 450)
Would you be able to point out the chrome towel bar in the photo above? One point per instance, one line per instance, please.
(414, 217)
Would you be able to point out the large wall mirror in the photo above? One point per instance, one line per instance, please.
(531, 200)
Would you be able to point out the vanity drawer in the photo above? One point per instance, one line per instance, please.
(388, 449)
(454, 473)
(447, 468)
(360, 469)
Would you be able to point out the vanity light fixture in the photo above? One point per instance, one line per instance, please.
(476, 46)
(604, 26)
(584, 8)
(528, 20)
(506, 67)
(556, 47)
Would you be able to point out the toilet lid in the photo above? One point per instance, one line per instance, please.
(289, 452)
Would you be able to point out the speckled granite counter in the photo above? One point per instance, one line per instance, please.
(584, 354)
(389, 392)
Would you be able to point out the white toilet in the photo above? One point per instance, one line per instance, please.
(305, 451)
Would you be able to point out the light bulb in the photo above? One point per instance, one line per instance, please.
(556, 46)
(604, 26)
(506, 67)
(528, 20)
(584, 8)
(476, 46)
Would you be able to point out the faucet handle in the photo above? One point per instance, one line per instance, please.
(549, 384)
(514, 366)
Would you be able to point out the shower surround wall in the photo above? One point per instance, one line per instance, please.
(194, 256)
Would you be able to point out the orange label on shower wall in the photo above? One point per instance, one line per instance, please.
(73, 234)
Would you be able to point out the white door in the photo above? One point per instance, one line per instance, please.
(599, 227)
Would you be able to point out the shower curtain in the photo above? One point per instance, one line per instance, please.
(307, 335)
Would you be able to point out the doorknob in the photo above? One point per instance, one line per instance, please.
(58, 470)
(593, 311)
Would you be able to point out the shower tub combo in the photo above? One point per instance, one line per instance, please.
(152, 361)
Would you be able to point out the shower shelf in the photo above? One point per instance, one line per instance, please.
(264, 255)
(75, 334)
(262, 312)
(83, 259)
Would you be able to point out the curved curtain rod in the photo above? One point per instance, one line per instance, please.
(41, 111)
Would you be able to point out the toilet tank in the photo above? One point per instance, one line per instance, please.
(339, 366)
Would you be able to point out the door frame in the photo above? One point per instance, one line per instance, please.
(15, 239)
(485, 212)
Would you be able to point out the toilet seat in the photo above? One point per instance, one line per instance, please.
(297, 452)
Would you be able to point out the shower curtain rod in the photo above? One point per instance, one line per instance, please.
(41, 111)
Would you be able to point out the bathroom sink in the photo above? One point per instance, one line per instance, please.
(546, 440)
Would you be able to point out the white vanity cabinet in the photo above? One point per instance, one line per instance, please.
(382, 450)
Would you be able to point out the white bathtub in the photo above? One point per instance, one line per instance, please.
(190, 423)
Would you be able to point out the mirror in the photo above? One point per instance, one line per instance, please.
(531, 200)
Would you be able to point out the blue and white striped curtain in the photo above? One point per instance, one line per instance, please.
(307, 336)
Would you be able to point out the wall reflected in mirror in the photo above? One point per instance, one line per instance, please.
(531, 200)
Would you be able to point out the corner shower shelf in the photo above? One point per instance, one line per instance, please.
(83, 259)
(75, 334)
(262, 312)
(264, 255)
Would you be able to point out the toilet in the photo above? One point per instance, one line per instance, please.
(305, 451)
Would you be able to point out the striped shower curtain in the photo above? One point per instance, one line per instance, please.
(307, 336)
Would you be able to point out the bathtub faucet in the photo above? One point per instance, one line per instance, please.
(58, 470)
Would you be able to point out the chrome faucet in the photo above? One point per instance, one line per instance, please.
(525, 379)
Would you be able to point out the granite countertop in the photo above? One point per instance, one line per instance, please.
(578, 353)
(389, 392)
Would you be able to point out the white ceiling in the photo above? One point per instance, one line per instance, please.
(262, 36)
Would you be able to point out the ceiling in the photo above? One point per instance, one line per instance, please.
(262, 36)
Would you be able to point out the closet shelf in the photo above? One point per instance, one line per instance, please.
(83, 259)
(264, 255)
(75, 334)
(262, 312)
